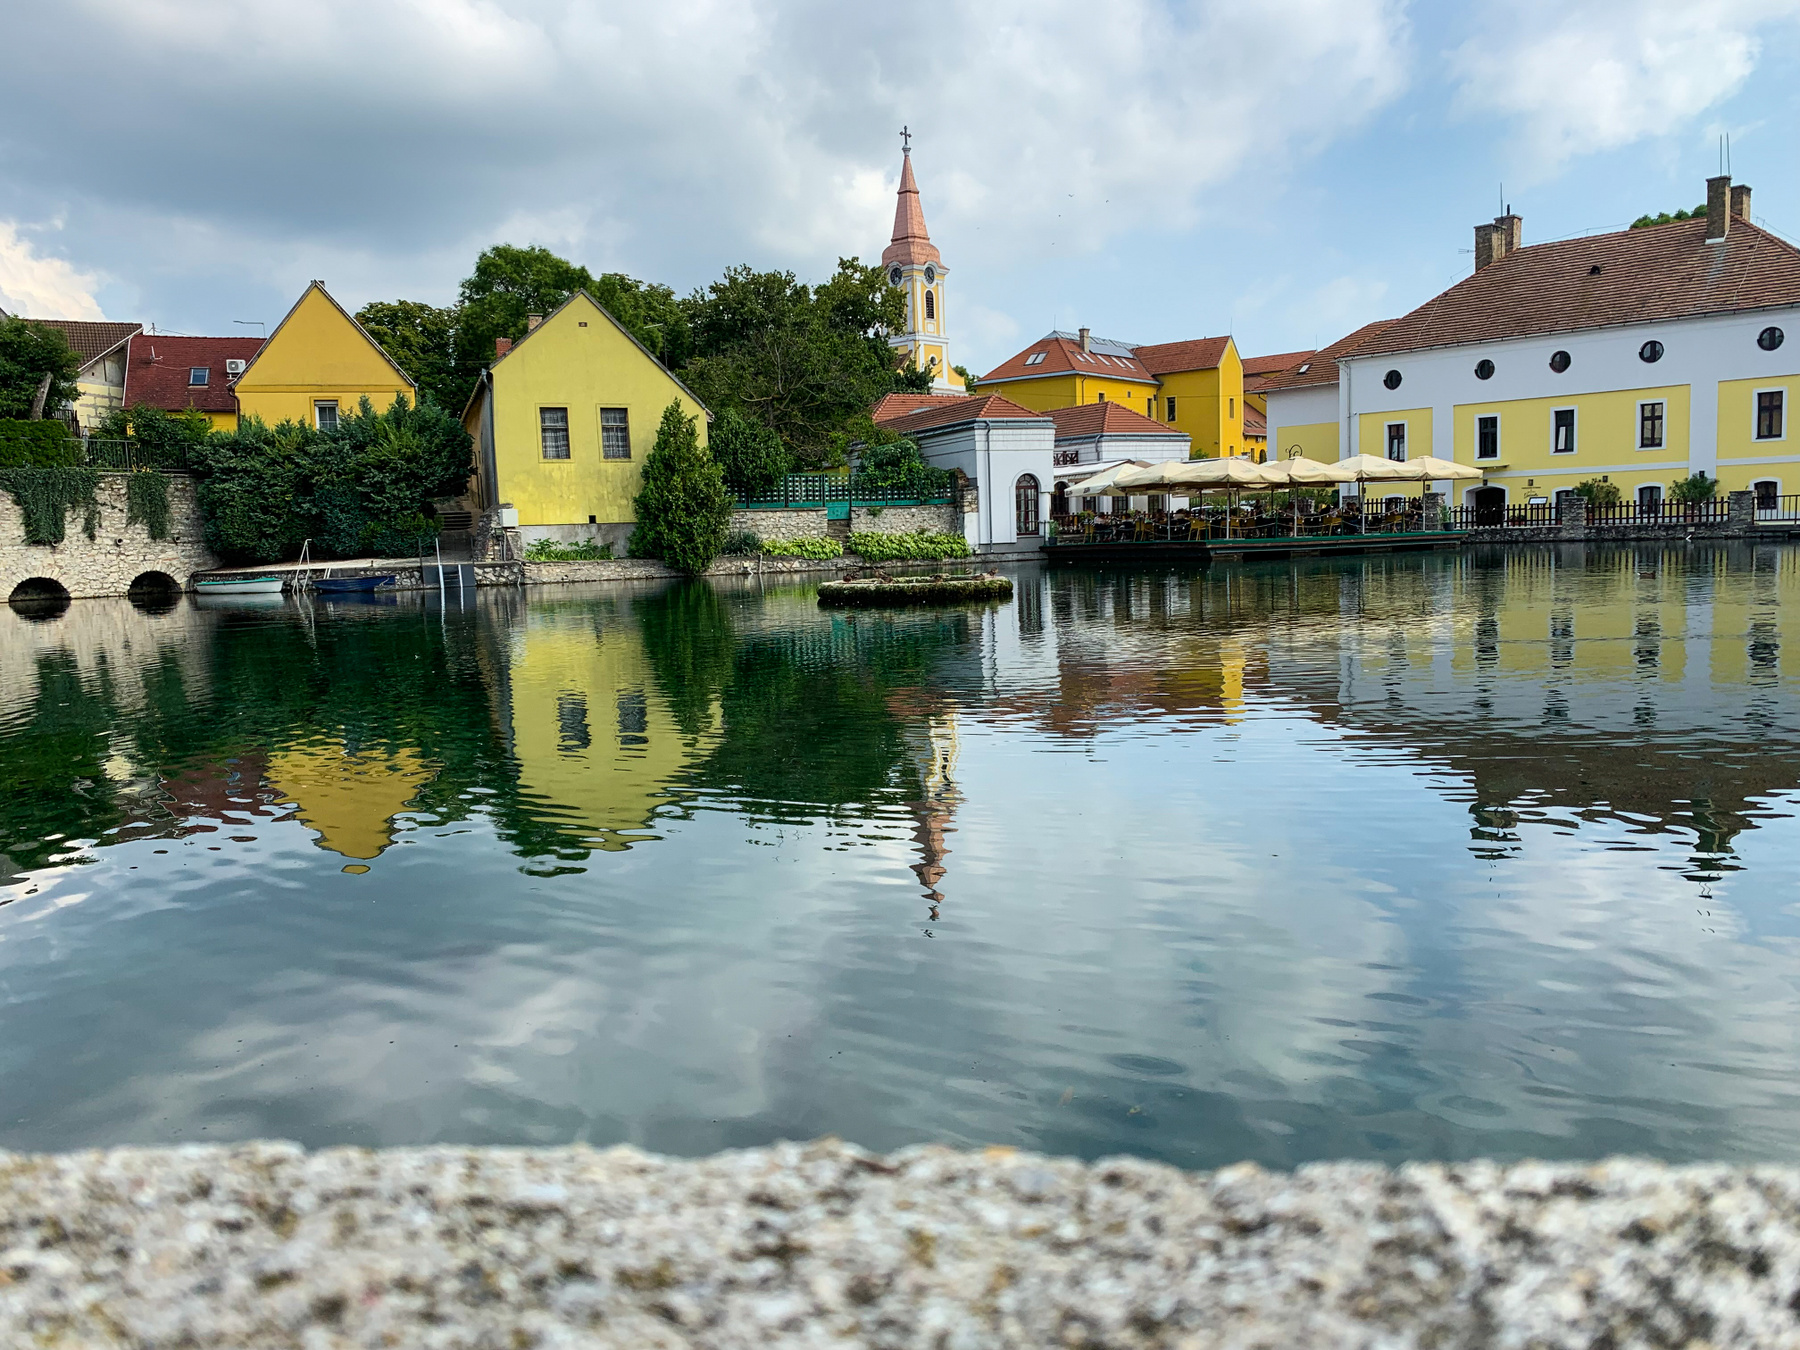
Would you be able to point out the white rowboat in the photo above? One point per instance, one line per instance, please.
(239, 586)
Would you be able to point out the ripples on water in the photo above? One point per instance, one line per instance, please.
(1422, 857)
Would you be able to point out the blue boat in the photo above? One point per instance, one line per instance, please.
(352, 584)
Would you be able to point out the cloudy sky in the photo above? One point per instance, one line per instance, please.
(1153, 169)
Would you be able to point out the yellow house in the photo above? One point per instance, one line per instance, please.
(1194, 387)
(319, 362)
(562, 422)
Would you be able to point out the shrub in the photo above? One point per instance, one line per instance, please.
(160, 438)
(45, 496)
(897, 468)
(43, 444)
(548, 550)
(803, 548)
(1696, 487)
(1597, 492)
(751, 456)
(683, 509)
(740, 542)
(921, 546)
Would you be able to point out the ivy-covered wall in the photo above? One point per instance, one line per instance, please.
(122, 549)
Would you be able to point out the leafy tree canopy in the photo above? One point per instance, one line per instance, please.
(28, 352)
(683, 509)
(1663, 218)
(421, 339)
(751, 456)
(1598, 492)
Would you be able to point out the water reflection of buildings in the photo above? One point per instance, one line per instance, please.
(348, 796)
(932, 745)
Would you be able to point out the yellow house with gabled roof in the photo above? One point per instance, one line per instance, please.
(317, 364)
(562, 421)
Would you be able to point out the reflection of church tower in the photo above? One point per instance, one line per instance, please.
(932, 742)
(912, 263)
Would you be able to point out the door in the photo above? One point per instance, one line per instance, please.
(1025, 504)
(1490, 505)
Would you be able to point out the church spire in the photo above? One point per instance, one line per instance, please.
(911, 243)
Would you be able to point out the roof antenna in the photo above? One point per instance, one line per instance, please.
(1728, 154)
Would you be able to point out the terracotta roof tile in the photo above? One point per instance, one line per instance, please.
(899, 405)
(1627, 277)
(89, 338)
(954, 411)
(1164, 358)
(1255, 424)
(1108, 419)
(912, 243)
(1321, 367)
(157, 371)
(1275, 364)
(1062, 355)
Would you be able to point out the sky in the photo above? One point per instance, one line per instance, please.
(1152, 169)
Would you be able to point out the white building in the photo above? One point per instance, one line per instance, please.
(1006, 452)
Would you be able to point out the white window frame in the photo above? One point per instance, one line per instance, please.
(1498, 454)
(1639, 438)
(1574, 430)
(319, 405)
(205, 374)
(1387, 436)
(1755, 398)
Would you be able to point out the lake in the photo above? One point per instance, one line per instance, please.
(1431, 856)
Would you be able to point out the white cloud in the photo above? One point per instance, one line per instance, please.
(41, 287)
(1596, 75)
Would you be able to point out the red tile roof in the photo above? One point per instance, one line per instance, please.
(1063, 356)
(1105, 419)
(157, 371)
(1255, 424)
(1321, 367)
(1165, 358)
(954, 411)
(912, 244)
(1275, 364)
(899, 405)
(1630, 276)
(89, 339)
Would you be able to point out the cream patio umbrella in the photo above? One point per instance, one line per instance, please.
(1103, 483)
(1298, 472)
(1443, 469)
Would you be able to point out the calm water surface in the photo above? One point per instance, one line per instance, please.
(1421, 857)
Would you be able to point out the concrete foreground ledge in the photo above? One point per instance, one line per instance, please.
(824, 1245)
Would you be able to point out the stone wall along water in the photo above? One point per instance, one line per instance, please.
(117, 555)
(786, 523)
(942, 519)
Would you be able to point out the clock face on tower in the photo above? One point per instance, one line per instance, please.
(894, 275)
(930, 274)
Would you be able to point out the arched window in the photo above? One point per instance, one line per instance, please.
(931, 304)
(1025, 504)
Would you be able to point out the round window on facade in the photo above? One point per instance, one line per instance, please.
(1391, 379)
(1484, 369)
(1559, 362)
(1650, 351)
(1770, 338)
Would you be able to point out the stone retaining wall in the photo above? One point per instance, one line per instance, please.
(785, 523)
(117, 555)
(944, 519)
(822, 1244)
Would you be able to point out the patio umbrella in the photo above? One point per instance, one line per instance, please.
(1375, 469)
(1436, 469)
(1105, 483)
(1301, 472)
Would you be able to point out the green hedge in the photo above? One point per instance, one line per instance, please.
(803, 548)
(548, 550)
(923, 546)
(44, 444)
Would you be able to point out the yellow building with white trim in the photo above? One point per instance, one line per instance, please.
(318, 364)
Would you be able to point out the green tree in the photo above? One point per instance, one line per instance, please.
(28, 353)
(1663, 218)
(683, 509)
(1696, 487)
(896, 466)
(167, 436)
(966, 376)
(751, 456)
(421, 339)
(1598, 492)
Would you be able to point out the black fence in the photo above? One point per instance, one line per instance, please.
(823, 489)
(128, 456)
(1716, 512)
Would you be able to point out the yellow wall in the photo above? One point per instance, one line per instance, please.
(1606, 434)
(1209, 405)
(1317, 440)
(1737, 423)
(581, 360)
(317, 352)
(1070, 391)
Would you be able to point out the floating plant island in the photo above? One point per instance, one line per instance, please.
(880, 589)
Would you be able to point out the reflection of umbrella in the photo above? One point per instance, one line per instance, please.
(1435, 468)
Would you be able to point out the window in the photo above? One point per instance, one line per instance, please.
(1100, 398)
(553, 431)
(198, 375)
(1391, 379)
(1025, 504)
(1649, 497)
(1487, 437)
(1650, 352)
(572, 735)
(1231, 407)
(325, 414)
(1035, 359)
(1120, 506)
(1396, 440)
(1768, 414)
(931, 304)
(1484, 369)
(1170, 405)
(615, 434)
(1560, 361)
(1768, 494)
(1770, 338)
(1562, 431)
(1650, 426)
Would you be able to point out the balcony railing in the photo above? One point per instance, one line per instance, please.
(127, 456)
(1783, 507)
(823, 489)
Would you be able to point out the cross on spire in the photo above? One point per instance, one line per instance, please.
(905, 141)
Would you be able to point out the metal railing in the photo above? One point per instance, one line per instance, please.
(1212, 526)
(1715, 512)
(1783, 507)
(821, 489)
(128, 456)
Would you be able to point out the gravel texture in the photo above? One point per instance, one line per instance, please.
(824, 1245)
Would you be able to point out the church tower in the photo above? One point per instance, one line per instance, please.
(913, 264)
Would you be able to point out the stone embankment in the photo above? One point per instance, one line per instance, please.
(821, 1244)
(117, 555)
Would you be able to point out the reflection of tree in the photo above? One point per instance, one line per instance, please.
(52, 779)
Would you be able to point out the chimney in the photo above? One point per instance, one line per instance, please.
(1085, 347)
(501, 347)
(1494, 242)
(532, 321)
(1718, 207)
(1512, 230)
(1485, 244)
(1740, 200)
